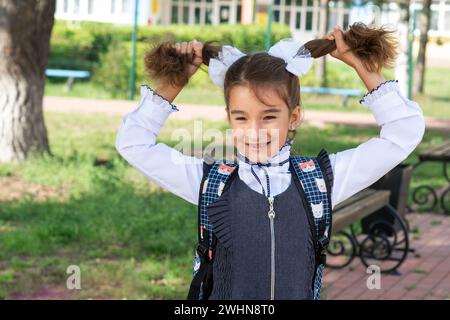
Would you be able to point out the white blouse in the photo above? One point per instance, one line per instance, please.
(402, 128)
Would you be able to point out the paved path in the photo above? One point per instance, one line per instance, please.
(424, 275)
(188, 112)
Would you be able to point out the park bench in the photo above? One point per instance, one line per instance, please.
(371, 225)
(424, 194)
(345, 93)
(71, 75)
(357, 207)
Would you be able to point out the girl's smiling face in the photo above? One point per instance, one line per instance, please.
(259, 129)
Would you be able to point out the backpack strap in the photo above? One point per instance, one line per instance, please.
(313, 176)
(216, 178)
(219, 174)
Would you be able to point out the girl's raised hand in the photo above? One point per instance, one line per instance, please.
(342, 51)
(193, 53)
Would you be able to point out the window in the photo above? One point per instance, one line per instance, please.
(346, 21)
(197, 15)
(113, 6)
(287, 17)
(224, 13)
(239, 13)
(76, 7)
(90, 6)
(333, 18)
(174, 18)
(297, 20)
(186, 14)
(192, 11)
(447, 21)
(208, 17)
(309, 19)
(66, 6)
(433, 20)
(276, 15)
(126, 6)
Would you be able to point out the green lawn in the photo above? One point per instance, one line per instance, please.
(435, 102)
(130, 238)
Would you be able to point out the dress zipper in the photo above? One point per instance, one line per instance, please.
(271, 215)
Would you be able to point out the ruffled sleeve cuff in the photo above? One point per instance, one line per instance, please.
(153, 109)
(387, 103)
(376, 93)
(219, 215)
(325, 163)
(149, 93)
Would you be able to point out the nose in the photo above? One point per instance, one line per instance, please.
(256, 132)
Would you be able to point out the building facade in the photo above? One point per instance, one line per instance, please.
(302, 16)
(110, 11)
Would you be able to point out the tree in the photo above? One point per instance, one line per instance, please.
(424, 25)
(25, 29)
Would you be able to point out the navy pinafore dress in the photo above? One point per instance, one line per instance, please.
(242, 261)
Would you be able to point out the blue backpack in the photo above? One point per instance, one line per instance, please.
(218, 176)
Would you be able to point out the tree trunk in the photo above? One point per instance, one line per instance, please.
(424, 25)
(321, 65)
(25, 29)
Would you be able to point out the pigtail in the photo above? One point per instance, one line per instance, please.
(163, 63)
(375, 46)
(211, 50)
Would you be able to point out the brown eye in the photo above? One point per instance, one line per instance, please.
(270, 118)
(240, 119)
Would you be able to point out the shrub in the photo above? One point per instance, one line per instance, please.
(82, 45)
(113, 72)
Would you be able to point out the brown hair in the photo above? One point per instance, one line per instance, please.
(375, 46)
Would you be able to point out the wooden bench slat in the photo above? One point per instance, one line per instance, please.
(444, 150)
(356, 197)
(438, 153)
(435, 148)
(364, 204)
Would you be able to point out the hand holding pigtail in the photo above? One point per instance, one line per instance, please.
(175, 63)
(374, 47)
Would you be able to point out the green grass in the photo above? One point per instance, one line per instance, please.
(130, 238)
(435, 102)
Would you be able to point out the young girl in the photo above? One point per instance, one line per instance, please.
(262, 95)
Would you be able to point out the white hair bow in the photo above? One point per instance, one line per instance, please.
(219, 66)
(295, 54)
(297, 57)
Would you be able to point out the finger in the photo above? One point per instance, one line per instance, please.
(191, 53)
(183, 47)
(198, 46)
(339, 36)
(336, 29)
(189, 50)
(177, 47)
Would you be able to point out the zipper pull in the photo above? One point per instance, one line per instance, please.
(271, 212)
